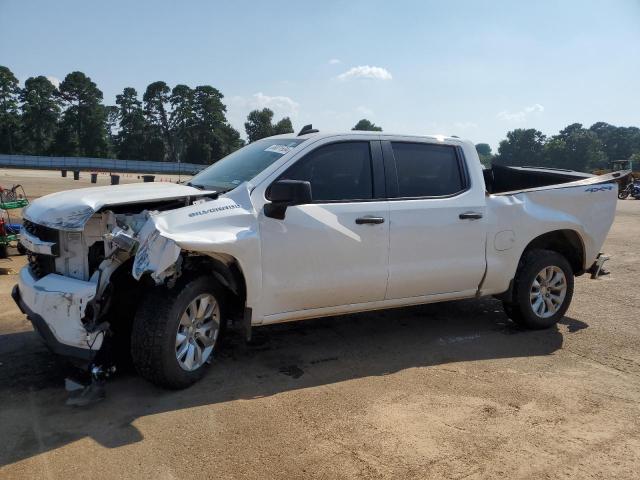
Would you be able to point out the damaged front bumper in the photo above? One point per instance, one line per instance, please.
(56, 306)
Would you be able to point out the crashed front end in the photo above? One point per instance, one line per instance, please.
(66, 289)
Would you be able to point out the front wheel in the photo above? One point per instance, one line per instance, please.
(176, 331)
(543, 289)
(622, 194)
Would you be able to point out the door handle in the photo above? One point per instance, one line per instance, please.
(470, 216)
(368, 220)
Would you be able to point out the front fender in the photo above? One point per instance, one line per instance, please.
(224, 226)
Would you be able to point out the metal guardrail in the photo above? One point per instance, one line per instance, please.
(98, 164)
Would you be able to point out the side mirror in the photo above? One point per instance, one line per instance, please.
(286, 193)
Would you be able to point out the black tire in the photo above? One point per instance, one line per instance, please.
(22, 250)
(153, 338)
(622, 194)
(521, 310)
(3, 251)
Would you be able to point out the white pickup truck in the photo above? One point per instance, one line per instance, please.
(293, 227)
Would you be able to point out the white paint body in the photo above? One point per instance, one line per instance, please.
(318, 261)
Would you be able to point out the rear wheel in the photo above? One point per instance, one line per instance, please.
(543, 289)
(176, 331)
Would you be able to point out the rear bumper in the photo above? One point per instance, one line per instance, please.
(55, 306)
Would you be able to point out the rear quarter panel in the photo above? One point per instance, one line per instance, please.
(515, 219)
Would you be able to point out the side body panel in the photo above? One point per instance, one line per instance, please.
(587, 207)
(432, 250)
(319, 257)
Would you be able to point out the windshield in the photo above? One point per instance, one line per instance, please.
(244, 164)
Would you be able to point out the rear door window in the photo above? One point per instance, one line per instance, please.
(426, 170)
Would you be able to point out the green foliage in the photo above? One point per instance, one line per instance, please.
(573, 148)
(168, 124)
(131, 140)
(577, 149)
(83, 125)
(156, 101)
(259, 125)
(9, 116)
(618, 143)
(206, 129)
(521, 147)
(483, 149)
(366, 125)
(485, 154)
(283, 126)
(190, 125)
(40, 114)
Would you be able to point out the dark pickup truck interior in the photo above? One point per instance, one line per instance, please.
(500, 179)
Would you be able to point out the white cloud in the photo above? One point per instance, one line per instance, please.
(521, 116)
(334, 61)
(238, 108)
(54, 80)
(279, 104)
(366, 71)
(366, 111)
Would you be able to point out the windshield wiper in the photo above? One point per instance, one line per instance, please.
(196, 185)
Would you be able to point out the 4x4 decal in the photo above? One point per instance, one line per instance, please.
(599, 189)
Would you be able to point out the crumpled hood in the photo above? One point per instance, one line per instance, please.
(70, 210)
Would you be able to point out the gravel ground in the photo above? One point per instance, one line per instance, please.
(450, 390)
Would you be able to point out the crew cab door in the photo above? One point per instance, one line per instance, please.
(333, 251)
(438, 221)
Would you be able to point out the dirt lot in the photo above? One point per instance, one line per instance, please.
(450, 390)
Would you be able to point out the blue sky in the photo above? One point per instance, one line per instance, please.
(470, 68)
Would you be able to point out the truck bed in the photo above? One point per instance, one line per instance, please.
(501, 179)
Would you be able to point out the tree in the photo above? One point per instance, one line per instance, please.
(182, 118)
(555, 153)
(40, 115)
(582, 149)
(283, 126)
(618, 143)
(9, 117)
(231, 140)
(131, 139)
(156, 99)
(484, 152)
(258, 124)
(83, 130)
(522, 147)
(366, 125)
(205, 145)
(199, 120)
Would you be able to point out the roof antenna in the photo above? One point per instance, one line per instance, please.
(308, 129)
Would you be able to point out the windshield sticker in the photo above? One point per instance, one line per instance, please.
(281, 149)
